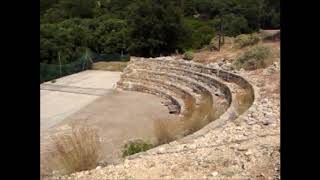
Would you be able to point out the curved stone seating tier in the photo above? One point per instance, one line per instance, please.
(176, 81)
(198, 88)
(202, 89)
(177, 78)
(173, 91)
(229, 81)
(215, 86)
(164, 80)
(134, 86)
(197, 67)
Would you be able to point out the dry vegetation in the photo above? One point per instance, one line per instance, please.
(110, 66)
(192, 120)
(244, 40)
(258, 56)
(166, 130)
(200, 116)
(74, 151)
(242, 101)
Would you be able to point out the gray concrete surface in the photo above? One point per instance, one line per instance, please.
(71, 93)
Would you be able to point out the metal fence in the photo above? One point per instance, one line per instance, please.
(53, 71)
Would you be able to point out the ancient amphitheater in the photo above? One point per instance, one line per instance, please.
(239, 133)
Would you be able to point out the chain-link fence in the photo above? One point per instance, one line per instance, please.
(53, 71)
(110, 57)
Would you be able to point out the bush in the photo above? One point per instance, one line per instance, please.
(214, 43)
(188, 55)
(136, 146)
(244, 40)
(254, 58)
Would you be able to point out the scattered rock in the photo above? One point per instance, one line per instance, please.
(161, 150)
(242, 149)
(248, 153)
(215, 173)
(150, 164)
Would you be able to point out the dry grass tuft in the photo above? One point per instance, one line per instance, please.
(200, 116)
(110, 66)
(74, 151)
(192, 120)
(166, 130)
(243, 101)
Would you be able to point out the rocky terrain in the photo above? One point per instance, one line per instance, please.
(247, 147)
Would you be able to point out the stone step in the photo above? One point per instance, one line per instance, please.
(172, 80)
(236, 83)
(134, 85)
(230, 84)
(204, 81)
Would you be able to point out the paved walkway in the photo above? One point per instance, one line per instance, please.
(76, 90)
(71, 93)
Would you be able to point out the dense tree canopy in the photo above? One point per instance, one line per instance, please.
(145, 27)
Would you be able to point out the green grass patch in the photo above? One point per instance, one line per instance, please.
(136, 146)
(189, 55)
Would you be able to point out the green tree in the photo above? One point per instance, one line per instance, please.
(155, 27)
(78, 8)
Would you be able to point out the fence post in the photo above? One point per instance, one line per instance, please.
(59, 62)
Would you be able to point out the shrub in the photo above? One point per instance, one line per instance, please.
(214, 43)
(244, 40)
(75, 151)
(254, 58)
(136, 146)
(188, 55)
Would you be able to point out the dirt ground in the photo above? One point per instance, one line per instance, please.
(118, 115)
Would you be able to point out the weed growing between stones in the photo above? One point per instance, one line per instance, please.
(136, 146)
